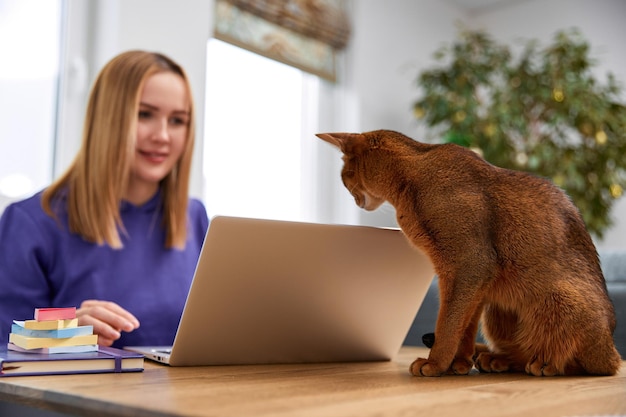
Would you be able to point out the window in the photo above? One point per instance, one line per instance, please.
(254, 139)
(30, 39)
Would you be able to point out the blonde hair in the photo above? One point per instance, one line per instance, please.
(96, 180)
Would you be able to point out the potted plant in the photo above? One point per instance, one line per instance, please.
(540, 110)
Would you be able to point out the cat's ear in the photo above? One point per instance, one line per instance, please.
(347, 142)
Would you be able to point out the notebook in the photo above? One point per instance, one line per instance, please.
(102, 360)
(268, 291)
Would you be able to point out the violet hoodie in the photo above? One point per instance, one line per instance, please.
(42, 264)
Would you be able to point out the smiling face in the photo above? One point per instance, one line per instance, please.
(162, 129)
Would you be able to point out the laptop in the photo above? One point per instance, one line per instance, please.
(268, 291)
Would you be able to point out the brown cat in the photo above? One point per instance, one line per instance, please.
(506, 245)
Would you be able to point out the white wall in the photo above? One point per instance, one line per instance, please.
(393, 40)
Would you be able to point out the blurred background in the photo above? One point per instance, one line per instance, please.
(256, 152)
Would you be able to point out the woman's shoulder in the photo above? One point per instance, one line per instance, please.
(30, 211)
(27, 220)
(196, 208)
(28, 207)
(197, 214)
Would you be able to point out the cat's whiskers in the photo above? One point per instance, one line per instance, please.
(388, 207)
(351, 189)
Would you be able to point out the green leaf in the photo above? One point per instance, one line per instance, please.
(542, 110)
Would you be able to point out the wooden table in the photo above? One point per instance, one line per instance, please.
(353, 389)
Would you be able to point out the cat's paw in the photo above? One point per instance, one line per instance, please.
(422, 367)
(538, 368)
(491, 362)
(460, 367)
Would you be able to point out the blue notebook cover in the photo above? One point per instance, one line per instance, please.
(105, 360)
(18, 328)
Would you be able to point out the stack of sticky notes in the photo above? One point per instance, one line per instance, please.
(54, 330)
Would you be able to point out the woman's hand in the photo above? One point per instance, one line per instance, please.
(107, 318)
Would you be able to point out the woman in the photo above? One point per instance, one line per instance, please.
(117, 235)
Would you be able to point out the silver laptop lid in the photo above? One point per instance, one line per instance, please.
(269, 291)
